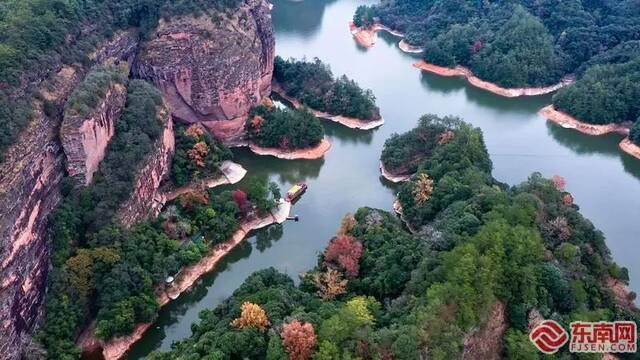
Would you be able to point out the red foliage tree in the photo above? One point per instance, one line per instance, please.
(559, 182)
(344, 252)
(299, 340)
(477, 46)
(567, 199)
(241, 198)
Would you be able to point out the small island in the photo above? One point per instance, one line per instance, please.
(402, 154)
(286, 133)
(311, 84)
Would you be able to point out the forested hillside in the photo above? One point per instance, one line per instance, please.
(482, 251)
(532, 43)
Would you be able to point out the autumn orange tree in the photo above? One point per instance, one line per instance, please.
(329, 284)
(251, 315)
(423, 190)
(347, 224)
(299, 340)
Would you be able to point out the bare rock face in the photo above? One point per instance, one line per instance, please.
(214, 68)
(85, 138)
(143, 203)
(29, 178)
(486, 342)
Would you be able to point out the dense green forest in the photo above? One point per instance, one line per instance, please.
(272, 127)
(313, 84)
(402, 154)
(37, 36)
(106, 272)
(380, 291)
(519, 43)
(197, 156)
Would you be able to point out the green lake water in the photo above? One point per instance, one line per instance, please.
(604, 181)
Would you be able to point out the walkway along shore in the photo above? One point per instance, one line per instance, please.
(349, 122)
(117, 348)
(312, 153)
(391, 177)
(232, 173)
(461, 71)
(569, 122)
(366, 36)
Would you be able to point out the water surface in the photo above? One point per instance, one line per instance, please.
(604, 181)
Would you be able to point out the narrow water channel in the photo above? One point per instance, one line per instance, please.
(604, 181)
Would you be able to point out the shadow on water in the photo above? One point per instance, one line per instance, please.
(583, 144)
(286, 171)
(347, 135)
(298, 17)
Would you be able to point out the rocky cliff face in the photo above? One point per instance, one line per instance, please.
(85, 138)
(143, 202)
(486, 341)
(29, 178)
(214, 68)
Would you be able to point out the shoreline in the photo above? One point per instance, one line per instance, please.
(569, 122)
(462, 71)
(630, 148)
(118, 347)
(397, 208)
(408, 48)
(312, 153)
(391, 177)
(232, 173)
(365, 37)
(349, 122)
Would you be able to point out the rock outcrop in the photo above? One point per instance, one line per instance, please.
(29, 176)
(212, 71)
(143, 202)
(485, 342)
(85, 138)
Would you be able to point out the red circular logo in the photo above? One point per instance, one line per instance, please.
(548, 336)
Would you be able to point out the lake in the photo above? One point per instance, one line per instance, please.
(601, 178)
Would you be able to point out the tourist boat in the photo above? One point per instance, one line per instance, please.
(295, 192)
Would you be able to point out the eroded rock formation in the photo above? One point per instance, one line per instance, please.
(485, 342)
(29, 176)
(85, 138)
(143, 202)
(212, 71)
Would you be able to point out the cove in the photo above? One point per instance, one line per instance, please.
(604, 181)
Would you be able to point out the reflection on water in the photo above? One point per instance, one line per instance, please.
(604, 182)
(300, 17)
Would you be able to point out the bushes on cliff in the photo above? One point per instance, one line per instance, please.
(312, 83)
(93, 89)
(271, 127)
(197, 155)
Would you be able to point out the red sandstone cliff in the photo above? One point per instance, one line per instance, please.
(29, 177)
(143, 202)
(212, 71)
(85, 138)
(486, 342)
